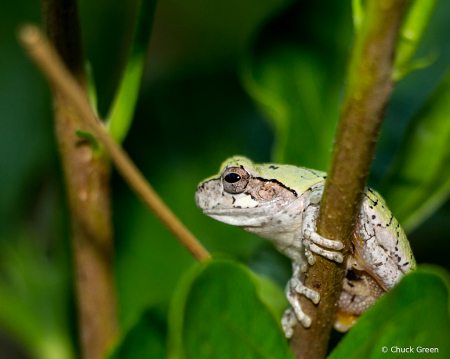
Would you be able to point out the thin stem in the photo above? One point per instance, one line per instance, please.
(43, 54)
(368, 91)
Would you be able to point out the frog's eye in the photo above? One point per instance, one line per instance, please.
(235, 179)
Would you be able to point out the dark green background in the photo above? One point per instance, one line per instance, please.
(191, 115)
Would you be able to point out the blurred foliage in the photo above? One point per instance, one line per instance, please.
(191, 114)
(411, 32)
(419, 180)
(295, 72)
(122, 109)
(146, 339)
(416, 313)
(34, 293)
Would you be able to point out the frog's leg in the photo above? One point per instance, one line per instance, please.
(359, 291)
(294, 288)
(312, 240)
(376, 251)
(294, 301)
(297, 285)
(288, 322)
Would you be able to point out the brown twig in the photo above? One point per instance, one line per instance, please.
(368, 91)
(87, 179)
(41, 51)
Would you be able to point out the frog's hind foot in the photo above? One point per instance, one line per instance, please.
(294, 289)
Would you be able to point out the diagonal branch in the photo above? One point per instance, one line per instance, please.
(368, 91)
(41, 51)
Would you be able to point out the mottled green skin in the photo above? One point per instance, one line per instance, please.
(373, 200)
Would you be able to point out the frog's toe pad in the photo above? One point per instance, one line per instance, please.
(321, 241)
(294, 301)
(288, 322)
(298, 286)
(331, 255)
(309, 256)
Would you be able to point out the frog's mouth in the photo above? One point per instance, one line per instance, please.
(258, 214)
(241, 217)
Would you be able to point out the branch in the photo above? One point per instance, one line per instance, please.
(50, 64)
(368, 91)
(62, 25)
(87, 178)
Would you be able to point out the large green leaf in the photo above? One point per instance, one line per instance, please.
(144, 340)
(217, 313)
(419, 181)
(295, 74)
(271, 294)
(414, 314)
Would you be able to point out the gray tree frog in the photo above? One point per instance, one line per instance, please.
(281, 203)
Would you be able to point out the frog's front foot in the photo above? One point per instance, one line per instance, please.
(288, 322)
(311, 240)
(294, 289)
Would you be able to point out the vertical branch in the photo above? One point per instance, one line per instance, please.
(368, 91)
(62, 25)
(87, 177)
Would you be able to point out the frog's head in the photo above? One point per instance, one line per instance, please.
(243, 193)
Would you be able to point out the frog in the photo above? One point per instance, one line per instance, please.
(281, 203)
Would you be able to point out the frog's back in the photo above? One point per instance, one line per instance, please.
(299, 179)
(384, 222)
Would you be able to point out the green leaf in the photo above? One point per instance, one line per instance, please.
(357, 13)
(144, 340)
(92, 88)
(88, 136)
(411, 33)
(34, 292)
(419, 181)
(289, 85)
(122, 110)
(414, 314)
(271, 294)
(217, 313)
(296, 74)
